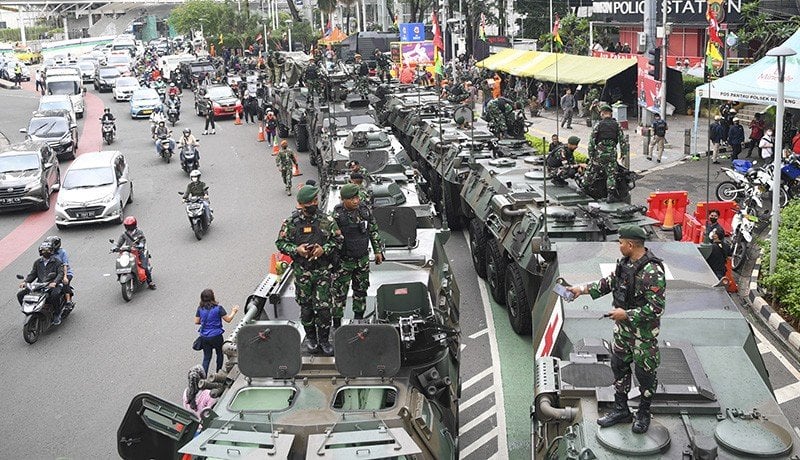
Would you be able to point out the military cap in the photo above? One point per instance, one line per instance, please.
(574, 140)
(632, 232)
(460, 120)
(605, 108)
(307, 194)
(348, 191)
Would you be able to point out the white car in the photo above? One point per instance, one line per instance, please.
(57, 102)
(95, 188)
(122, 62)
(124, 88)
(88, 68)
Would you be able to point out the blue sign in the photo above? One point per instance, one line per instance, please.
(412, 32)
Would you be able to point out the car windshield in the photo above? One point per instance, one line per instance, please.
(200, 68)
(86, 65)
(63, 87)
(146, 95)
(55, 105)
(109, 73)
(48, 127)
(118, 59)
(219, 92)
(127, 81)
(89, 177)
(18, 163)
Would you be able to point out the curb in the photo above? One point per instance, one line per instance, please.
(772, 319)
(7, 84)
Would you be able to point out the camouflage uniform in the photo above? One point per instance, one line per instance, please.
(359, 229)
(311, 78)
(603, 154)
(285, 160)
(496, 116)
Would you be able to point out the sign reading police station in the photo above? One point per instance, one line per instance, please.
(412, 32)
(678, 11)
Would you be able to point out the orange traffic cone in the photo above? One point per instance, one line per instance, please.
(237, 121)
(261, 137)
(669, 219)
(296, 170)
(275, 149)
(730, 285)
(273, 265)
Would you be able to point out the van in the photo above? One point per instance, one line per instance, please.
(71, 85)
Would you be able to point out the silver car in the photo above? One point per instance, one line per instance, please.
(95, 188)
(124, 88)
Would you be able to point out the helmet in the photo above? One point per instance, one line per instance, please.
(54, 240)
(187, 131)
(194, 173)
(284, 144)
(129, 223)
(172, 84)
(158, 109)
(107, 110)
(161, 122)
(46, 248)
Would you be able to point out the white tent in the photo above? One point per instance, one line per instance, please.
(756, 83)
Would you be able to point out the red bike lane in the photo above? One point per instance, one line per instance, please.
(37, 224)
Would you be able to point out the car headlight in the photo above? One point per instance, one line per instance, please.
(36, 185)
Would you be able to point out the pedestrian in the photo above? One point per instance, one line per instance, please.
(767, 145)
(659, 137)
(209, 316)
(18, 75)
(638, 285)
(250, 109)
(788, 131)
(286, 161)
(541, 94)
(720, 251)
(567, 106)
(39, 82)
(312, 239)
(736, 138)
(359, 231)
(195, 399)
(271, 126)
(210, 118)
(756, 132)
(713, 225)
(497, 86)
(603, 142)
(716, 133)
(796, 144)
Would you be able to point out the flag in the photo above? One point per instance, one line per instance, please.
(395, 20)
(556, 36)
(437, 33)
(220, 38)
(482, 31)
(438, 67)
(712, 52)
(713, 28)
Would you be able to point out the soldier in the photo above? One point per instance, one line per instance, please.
(355, 166)
(364, 193)
(496, 116)
(286, 160)
(311, 79)
(591, 100)
(638, 286)
(362, 75)
(561, 162)
(384, 66)
(358, 227)
(312, 239)
(603, 152)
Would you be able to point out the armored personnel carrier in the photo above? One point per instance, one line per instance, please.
(332, 121)
(291, 108)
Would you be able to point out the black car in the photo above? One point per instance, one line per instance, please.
(193, 70)
(104, 78)
(29, 172)
(56, 128)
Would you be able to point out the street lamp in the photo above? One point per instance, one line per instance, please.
(289, 27)
(780, 53)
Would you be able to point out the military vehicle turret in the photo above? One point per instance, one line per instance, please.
(334, 120)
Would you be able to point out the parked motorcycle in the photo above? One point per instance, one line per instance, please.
(195, 211)
(743, 226)
(38, 312)
(190, 158)
(130, 272)
(108, 132)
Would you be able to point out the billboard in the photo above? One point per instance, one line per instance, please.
(417, 53)
(412, 32)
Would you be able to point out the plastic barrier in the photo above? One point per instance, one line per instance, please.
(657, 204)
(727, 210)
(690, 225)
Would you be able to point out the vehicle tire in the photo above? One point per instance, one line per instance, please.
(130, 197)
(738, 252)
(197, 228)
(313, 158)
(496, 265)
(121, 217)
(454, 220)
(727, 191)
(61, 227)
(477, 243)
(45, 198)
(197, 110)
(677, 232)
(301, 137)
(127, 290)
(283, 131)
(32, 330)
(519, 307)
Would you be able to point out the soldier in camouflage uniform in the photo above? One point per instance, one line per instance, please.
(313, 240)
(286, 160)
(638, 286)
(603, 141)
(496, 111)
(359, 230)
(364, 193)
(588, 100)
(311, 78)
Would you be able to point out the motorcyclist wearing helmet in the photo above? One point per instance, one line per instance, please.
(189, 141)
(155, 118)
(163, 132)
(173, 90)
(198, 189)
(46, 268)
(174, 100)
(134, 237)
(109, 117)
(62, 256)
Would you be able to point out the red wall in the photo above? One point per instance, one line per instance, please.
(683, 42)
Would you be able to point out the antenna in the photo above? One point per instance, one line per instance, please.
(544, 207)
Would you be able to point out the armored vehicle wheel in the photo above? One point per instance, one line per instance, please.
(496, 270)
(301, 137)
(477, 243)
(451, 206)
(519, 311)
(283, 131)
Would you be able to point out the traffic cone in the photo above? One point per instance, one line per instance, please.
(669, 219)
(273, 262)
(296, 170)
(730, 285)
(237, 121)
(261, 137)
(275, 149)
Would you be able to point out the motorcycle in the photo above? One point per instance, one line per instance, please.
(38, 312)
(173, 113)
(195, 211)
(743, 225)
(108, 131)
(166, 143)
(130, 272)
(190, 158)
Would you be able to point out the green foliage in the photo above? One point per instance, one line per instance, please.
(574, 33)
(783, 282)
(542, 145)
(764, 30)
(194, 13)
(31, 33)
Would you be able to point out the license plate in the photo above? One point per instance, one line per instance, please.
(146, 112)
(123, 271)
(85, 214)
(10, 200)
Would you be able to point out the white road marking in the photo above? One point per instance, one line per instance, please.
(479, 443)
(475, 378)
(788, 393)
(463, 347)
(475, 399)
(479, 333)
(765, 343)
(476, 421)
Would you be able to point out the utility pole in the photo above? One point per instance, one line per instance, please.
(22, 26)
(650, 11)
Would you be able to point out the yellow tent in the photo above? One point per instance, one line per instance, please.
(585, 70)
(537, 63)
(509, 66)
(503, 57)
(336, 36)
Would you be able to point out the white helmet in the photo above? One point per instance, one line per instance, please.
(194, 173)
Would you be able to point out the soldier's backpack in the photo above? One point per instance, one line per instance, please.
(660, 128)
(607, 130)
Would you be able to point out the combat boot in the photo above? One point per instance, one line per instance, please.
(620, 413)
(642, 422)
(358, 315)
(324, 344)
(310, 342)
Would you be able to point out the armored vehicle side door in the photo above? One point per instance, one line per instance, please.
(154, 428)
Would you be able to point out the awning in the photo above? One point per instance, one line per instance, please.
(583, 70)
(503, 57)
(334, 37)
(509, 66)
(536, 64)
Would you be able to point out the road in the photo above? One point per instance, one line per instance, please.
(72, 388)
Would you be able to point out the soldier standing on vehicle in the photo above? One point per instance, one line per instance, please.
(383, 65)
(362, 75)
(603, 152)
(359, 229)
(311, 79)
(312, 239)
(286, 161)
(364, 193)
(638, 285)
(659, 137)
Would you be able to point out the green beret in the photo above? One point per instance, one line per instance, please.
(348, 191)
(460, 120)
(574, 140)
(307, 194)
(605, 108)
(632, 232)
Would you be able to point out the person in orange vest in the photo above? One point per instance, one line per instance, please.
(407, 75)
(496, 92)
(212, 51)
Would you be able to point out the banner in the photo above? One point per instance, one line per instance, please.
(412, 32)
(648, 89)
(682, 63)
(417, 53)
(687, 12)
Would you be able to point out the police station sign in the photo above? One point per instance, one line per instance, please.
(678, 11)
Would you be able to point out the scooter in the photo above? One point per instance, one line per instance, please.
(166, 147)
(190, 158)
(38, 313)
(108, 132)
(173, 113)
(130, 272)
(743, 225)
(195, 211)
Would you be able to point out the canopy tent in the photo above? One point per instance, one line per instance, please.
(536, 64)
(756, 83)
(502, 57)
(564, 68)
(509, 66)
(334, 37)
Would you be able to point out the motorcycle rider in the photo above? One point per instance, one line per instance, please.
(176, 101)
(198, 189)
(173, 90)
(155, 118)
(188, 140)
(46, 268)
(162, 132)
(63, 257)
(108, 117)
(134, 237)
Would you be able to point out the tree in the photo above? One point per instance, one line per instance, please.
(207, 15)
(574, 33)
(327, 7)
(347, 4)
(762, 32)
